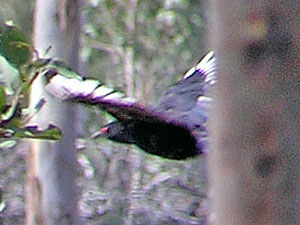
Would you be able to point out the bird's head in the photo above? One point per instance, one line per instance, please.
(115, 131)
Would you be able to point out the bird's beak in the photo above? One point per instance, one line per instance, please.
(100, 133)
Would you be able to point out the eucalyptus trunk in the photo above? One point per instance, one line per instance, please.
(51, 192)
(254, 165)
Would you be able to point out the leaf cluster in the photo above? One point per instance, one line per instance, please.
(18, 70)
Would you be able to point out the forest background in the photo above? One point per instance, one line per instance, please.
(119, 184)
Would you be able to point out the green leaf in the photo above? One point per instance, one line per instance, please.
(56, 66)
(11, 111)
(50, 133)
(6, 133)
(2, 99)
(8, 144)
(9, 76)
(65, 71)
(2, 206)
(14, 45)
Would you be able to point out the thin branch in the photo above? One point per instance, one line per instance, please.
(108, 48)
(109, 24)
(131, 15)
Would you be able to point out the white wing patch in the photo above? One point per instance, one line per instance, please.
(207, 67)
(69, 88)
(102, 91)
(114, 96)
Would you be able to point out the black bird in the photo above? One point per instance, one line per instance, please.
(174, 129)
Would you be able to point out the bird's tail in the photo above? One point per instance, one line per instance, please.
(65, 84)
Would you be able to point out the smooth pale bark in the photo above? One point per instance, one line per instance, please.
(254, 164)
(51, 193)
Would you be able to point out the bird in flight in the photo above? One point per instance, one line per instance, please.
(175, 128)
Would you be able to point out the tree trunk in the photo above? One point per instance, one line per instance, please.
(254, 165)
(51, 192)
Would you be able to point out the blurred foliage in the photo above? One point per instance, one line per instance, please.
(21, 12)
(166, 38)
(17, 72)
(119, 184)
(14, 46)
(12, 162)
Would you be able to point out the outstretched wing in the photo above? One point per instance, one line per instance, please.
(183, 104)
(92, 92)
(187, 100)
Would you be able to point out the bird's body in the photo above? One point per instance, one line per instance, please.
(174, 129)
(152, 136)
